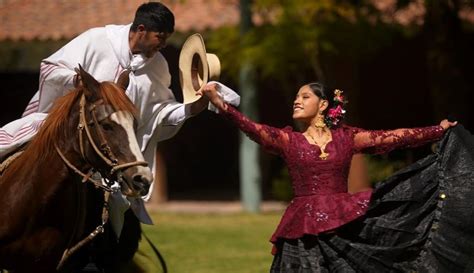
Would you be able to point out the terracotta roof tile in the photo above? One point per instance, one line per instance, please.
(56, 19)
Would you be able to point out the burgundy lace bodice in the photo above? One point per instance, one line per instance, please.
(321, 201)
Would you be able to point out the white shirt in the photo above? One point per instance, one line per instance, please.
(104, 53)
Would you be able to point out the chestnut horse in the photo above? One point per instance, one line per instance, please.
(48, 208)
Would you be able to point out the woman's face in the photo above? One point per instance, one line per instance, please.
(307, 105)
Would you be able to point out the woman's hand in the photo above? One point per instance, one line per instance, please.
(446, 124)
(210, 91)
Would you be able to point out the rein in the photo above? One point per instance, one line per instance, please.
(106, 154)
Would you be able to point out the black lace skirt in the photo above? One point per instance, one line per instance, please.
(419, 220)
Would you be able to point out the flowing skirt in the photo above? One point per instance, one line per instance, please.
(421, 219)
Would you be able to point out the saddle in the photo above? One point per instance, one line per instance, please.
(8, 160)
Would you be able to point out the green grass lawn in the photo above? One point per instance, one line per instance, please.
(206, 243)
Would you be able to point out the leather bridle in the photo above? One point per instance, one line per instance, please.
(104, 151)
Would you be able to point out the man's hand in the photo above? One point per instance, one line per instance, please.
(198, 106)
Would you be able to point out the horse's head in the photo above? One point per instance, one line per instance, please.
(108, 140)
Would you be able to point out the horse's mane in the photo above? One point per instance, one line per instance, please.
(55, 127)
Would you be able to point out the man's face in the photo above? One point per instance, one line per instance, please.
(151, 42)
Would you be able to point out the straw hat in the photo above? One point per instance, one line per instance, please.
(196, 67)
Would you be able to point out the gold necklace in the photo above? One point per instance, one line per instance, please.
(322, 147)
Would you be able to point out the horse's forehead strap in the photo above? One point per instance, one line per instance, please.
(101, 110)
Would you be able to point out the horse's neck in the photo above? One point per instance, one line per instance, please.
(54, 176)
(33, 183)
(40, 181)
(26, 194)
(47, 202)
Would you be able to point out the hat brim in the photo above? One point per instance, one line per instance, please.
(193, 67)
(214, 66)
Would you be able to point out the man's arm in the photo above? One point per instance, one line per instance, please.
(198, 106)
(57, 73)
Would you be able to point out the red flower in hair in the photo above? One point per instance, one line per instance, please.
(336, 113)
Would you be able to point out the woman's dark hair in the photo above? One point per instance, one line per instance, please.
(155, 17)
(334, 113)
(323, 93)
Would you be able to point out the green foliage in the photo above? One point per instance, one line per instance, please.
(291, 37)
(225, 42)
(25, 55)
(381, 167)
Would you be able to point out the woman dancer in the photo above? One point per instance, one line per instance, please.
(327, 229)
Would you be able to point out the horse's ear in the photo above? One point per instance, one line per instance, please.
(91, 85)
(124, 79)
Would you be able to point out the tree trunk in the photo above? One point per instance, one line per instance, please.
(250, 176)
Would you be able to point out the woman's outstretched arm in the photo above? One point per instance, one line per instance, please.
(384, 141)
(272, 139)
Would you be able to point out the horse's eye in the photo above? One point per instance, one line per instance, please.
(106, 126)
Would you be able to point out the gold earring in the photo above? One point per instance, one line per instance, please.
(320, 121)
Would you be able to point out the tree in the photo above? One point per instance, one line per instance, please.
(295, 42)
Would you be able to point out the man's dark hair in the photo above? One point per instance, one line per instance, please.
(155, 17)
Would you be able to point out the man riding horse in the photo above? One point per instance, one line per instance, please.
(105, 52)
(54, 200)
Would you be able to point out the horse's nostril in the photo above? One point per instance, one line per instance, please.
(138, 178)
(141, 183)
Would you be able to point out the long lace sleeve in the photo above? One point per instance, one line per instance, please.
(382, 141)
(272, 139)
